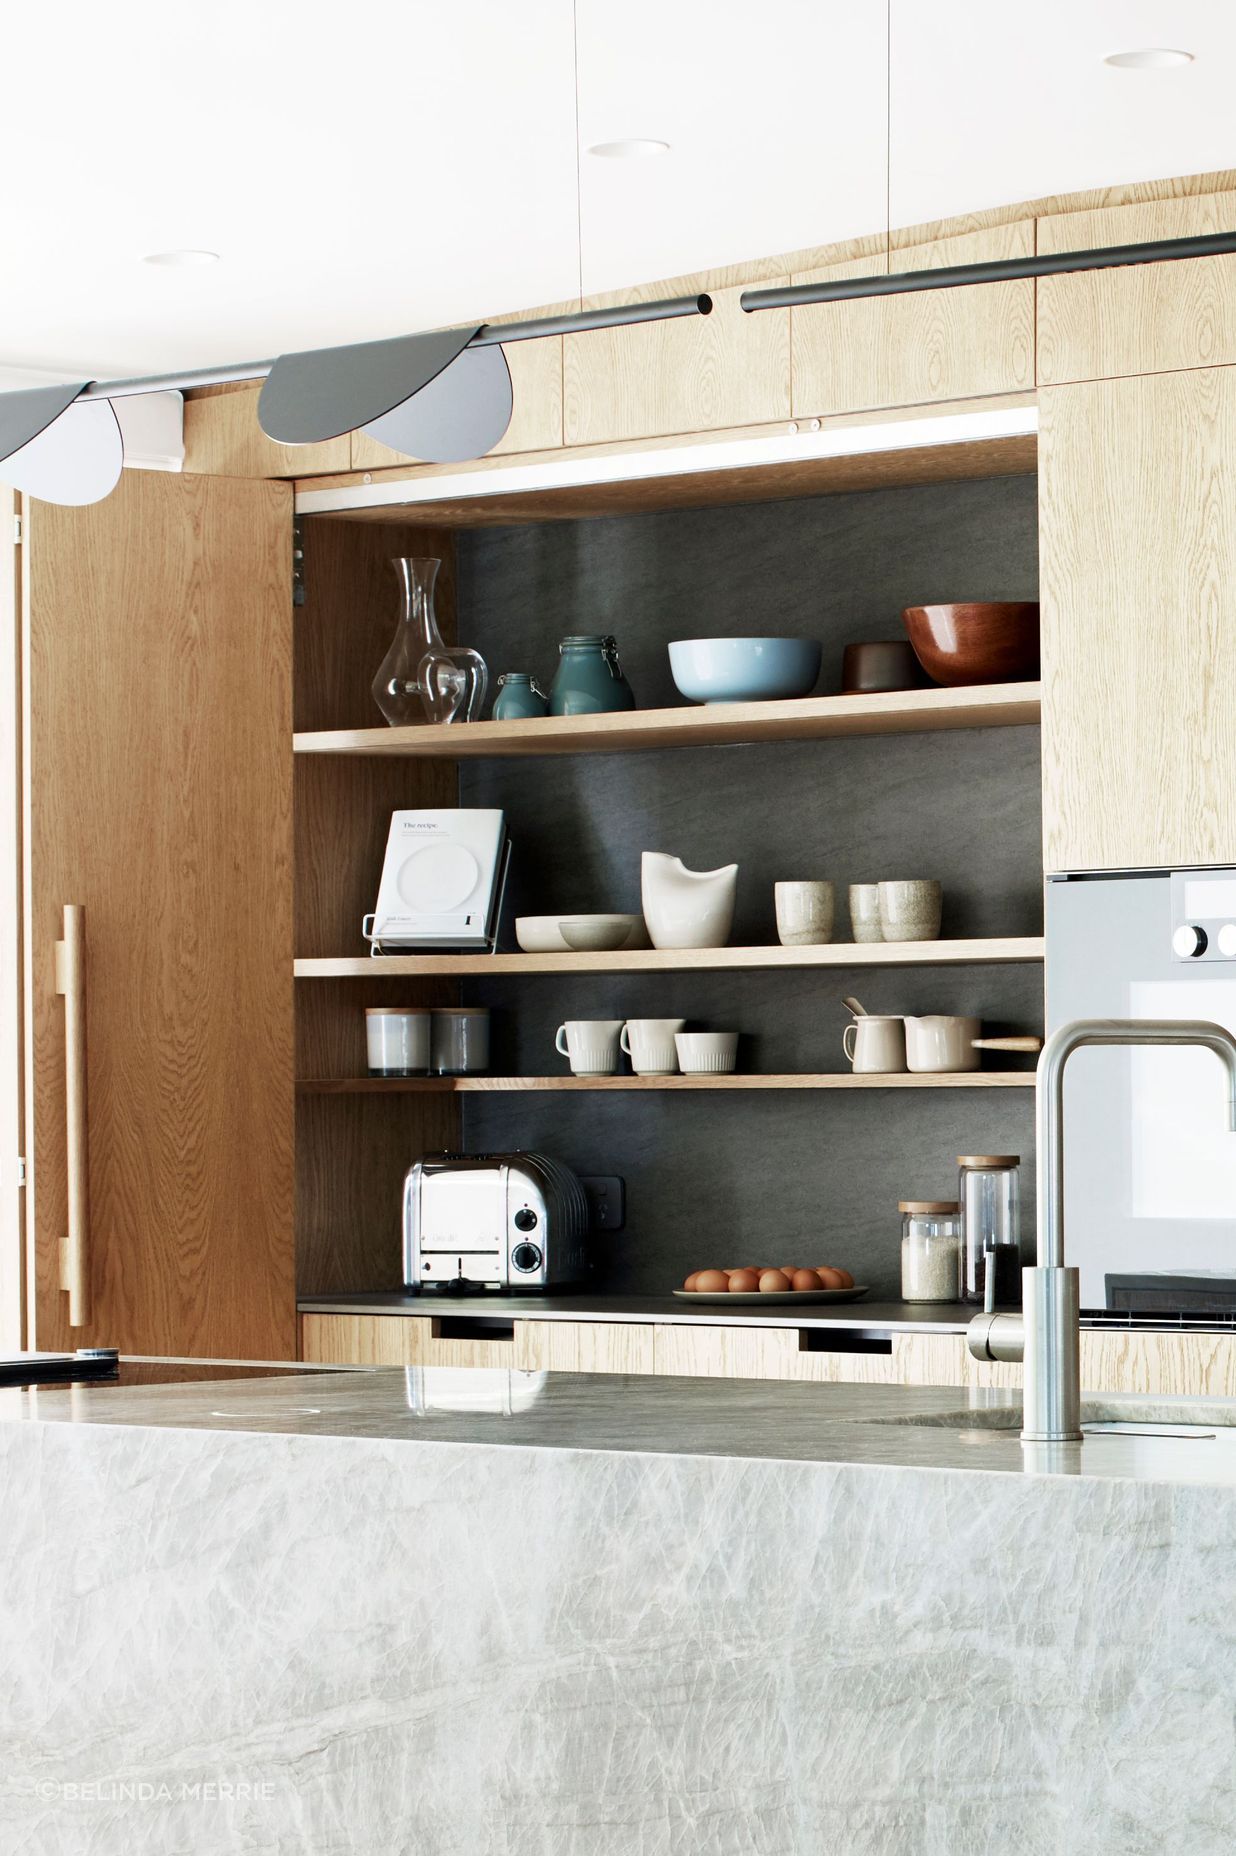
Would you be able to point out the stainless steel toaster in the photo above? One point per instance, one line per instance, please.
(493, 1221)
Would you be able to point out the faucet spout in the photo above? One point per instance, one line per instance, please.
(1050, 1336)
(1059, 1047)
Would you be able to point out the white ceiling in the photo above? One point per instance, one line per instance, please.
(408, 163)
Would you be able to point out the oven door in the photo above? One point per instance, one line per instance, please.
(1149, 1161)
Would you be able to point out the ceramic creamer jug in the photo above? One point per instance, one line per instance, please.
(687, 908)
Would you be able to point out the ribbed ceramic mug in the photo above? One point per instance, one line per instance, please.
(591, 1044)
(649, 1043)
(706, 1053)
(879, 1047)
(804, 913)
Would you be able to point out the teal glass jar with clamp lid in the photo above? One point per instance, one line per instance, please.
(589, 679)
(519, 697)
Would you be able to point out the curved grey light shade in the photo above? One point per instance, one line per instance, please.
(76, 459)
(462, 413)
(325, 392)
(26, 413)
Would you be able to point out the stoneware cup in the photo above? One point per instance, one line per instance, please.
(707, 1053)
(649, 1043)
(875, 1046)
(910, 911)
(591, 1044)
(804, 913)
(865, 912)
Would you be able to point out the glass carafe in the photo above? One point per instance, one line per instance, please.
(421, 674)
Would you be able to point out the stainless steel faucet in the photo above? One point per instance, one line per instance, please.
(1047, 1333)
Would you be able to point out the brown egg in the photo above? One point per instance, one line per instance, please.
(691, 1280)
(805, 1279)
(847, 1281)
(829, 1278)
(787, 1269)
(744, 1282)
(771, 1281)
(711, 1282)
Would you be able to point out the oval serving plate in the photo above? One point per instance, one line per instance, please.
(778, 1295)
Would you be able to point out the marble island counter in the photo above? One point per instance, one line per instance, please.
(480, 1612)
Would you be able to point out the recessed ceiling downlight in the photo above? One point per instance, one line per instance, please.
(629, 149)
(1149, 58)
(180, 260)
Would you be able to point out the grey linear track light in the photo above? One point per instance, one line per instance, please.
(443, 396)
(998, 270)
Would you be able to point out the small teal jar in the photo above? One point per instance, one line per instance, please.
(589, 679)
(519, 696)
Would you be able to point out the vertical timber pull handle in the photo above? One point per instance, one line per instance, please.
(71, 983)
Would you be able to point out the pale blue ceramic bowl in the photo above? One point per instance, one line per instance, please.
(744, 669)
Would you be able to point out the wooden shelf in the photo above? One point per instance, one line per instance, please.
(1010, 950)
(809, 718)
(468, 1085)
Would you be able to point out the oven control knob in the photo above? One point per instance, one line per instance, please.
(525, 1220)
(526, 1257)
(1188, 941)
(1227, 940)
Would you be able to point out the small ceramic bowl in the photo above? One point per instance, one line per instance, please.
(881, 664)
(744, 669)
(543, 934)
(597, 934)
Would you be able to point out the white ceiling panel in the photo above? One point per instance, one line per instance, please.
(362, 172)
(410, 163)
(775, 115)
(992, 104)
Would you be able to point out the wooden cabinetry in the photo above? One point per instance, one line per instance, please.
(918, 348)
(1137, 538)
(696, 374)
(158, 682)
(1167, 1365)
(1144, 318)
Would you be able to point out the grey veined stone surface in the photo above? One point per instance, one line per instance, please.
(792, 1631)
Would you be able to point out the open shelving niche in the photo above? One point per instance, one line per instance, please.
(356, 1134)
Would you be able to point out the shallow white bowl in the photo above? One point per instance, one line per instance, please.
(542, 934)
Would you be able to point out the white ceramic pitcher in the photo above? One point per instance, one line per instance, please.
(686, 908)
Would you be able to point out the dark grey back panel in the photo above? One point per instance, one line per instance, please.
(716, 1178)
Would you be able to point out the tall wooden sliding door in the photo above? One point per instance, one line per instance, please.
(158, 787)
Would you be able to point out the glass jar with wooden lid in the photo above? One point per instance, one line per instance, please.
(930, 1250)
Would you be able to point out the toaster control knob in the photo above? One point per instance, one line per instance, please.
(1189, 941)
(525, 1257)
(525, 1220)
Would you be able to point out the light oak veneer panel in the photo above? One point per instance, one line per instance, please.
(159, 704)
(1144, 318)
(1137, 538)
(585, 1346)
(385, 1340)
(907, 350)
(689, 375)
(223, 439)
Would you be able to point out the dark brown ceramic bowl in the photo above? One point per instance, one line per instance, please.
(997, 642)
(882, 664)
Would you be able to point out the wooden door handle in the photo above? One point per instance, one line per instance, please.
(71, 982)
